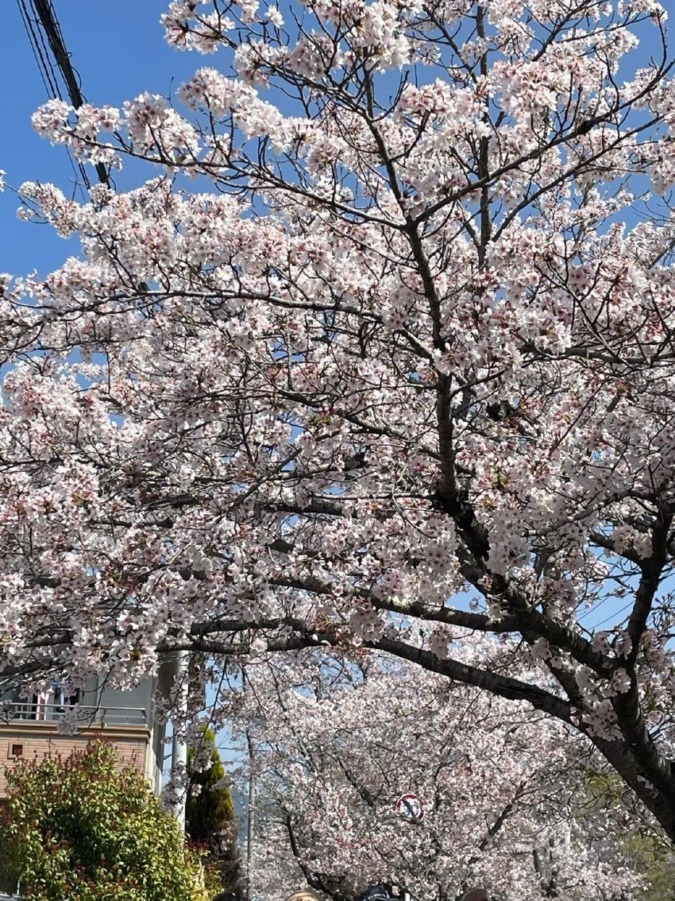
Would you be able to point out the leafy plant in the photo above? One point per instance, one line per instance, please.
(86, 828)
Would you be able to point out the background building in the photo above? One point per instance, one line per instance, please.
(52, 724)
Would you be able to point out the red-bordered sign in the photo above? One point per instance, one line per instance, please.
(410, 808)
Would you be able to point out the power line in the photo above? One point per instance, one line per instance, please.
(49, 80)
(47, 18)
(45, 37)
(46, 72)
(44, 10)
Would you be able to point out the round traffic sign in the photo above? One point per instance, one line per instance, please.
(410, 808)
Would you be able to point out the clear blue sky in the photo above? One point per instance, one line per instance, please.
(118, 49)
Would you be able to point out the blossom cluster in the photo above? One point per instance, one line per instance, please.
(403, 355)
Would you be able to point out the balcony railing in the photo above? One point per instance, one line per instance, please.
(79, 716)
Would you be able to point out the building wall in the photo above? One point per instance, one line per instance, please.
(139, 698)
(139, 702)
(125, 717)
(41, 739)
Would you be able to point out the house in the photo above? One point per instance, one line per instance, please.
(53, 724)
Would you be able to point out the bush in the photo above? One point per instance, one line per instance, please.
(89, 829)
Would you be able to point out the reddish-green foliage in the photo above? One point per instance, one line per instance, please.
(88, 829)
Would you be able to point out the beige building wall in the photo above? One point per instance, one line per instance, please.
(31, 740)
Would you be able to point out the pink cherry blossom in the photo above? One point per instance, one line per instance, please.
(395, 368)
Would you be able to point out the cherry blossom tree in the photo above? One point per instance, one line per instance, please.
(504, 803)
(385, 340)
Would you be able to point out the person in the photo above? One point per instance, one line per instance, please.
(375, 893)
(305, 894)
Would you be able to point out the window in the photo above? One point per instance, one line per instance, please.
(16, 750)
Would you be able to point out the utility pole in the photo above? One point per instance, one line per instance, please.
(178, 743)
(250, 821)
(250, 813)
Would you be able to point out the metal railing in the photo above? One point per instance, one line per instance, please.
(78, 715)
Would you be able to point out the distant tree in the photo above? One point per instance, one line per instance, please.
(648, 855)
(643, 847)
(88, 829)
(210, 819)
(509, 800)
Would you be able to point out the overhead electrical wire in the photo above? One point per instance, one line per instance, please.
(44, 67)
(44, 52)
(47, 43)
(50, 82)
(46, 15)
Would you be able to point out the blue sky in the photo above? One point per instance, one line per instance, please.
(119, 51)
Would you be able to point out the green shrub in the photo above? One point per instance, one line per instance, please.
(88, 829)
